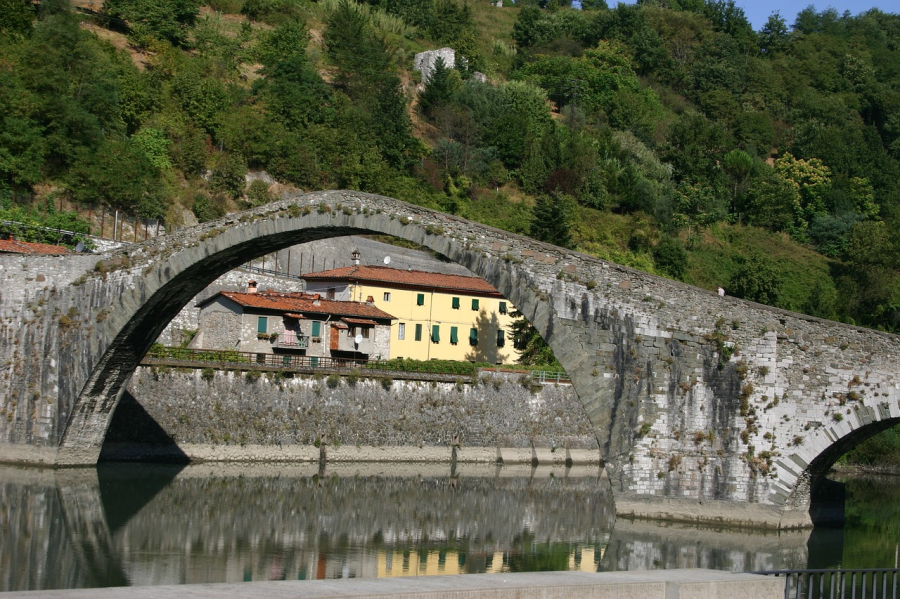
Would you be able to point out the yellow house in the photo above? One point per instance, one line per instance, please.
(446, 317)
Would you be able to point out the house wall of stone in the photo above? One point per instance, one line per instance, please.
(235, 280)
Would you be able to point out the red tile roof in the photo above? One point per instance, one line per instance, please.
(359, 321)
(405, 278)
(305, 303)
(13, 246)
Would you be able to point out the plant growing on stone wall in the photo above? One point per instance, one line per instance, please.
(434, 230)
(252, 376)
(674, 462)
(353, 378)
(207, 374)
(333, 381)
(386, 383)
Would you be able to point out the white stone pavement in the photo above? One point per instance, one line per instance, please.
(654, 584)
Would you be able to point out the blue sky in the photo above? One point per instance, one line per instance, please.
(758, 11)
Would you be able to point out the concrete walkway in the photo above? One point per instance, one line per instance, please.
(655, 584)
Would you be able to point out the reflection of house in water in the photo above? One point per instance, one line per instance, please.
(443, 316)
(269, 322)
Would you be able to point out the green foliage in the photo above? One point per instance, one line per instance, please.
(671, 257)
(17, 17)
(155, 146)
(552, 219)
(228, 175)
(120, 176)
(208, 208)
(440, 88)
(40, 224)
(168, 20)
(533, 350)
(882, 450)
(757, 280)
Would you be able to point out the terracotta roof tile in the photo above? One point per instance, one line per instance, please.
(358, 321)
(304, 303)
(406, 278)
(14, 246)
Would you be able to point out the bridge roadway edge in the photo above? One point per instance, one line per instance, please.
(694, 397)
(651, 584)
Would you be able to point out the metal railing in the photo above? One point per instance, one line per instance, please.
(866, 583)
(544, 377)
(269, 271)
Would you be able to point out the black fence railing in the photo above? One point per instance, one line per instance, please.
(866, 583)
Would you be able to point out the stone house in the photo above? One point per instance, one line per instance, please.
(299, 324)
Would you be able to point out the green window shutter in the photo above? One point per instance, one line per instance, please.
(454, 337)
(436, 333)
(475, 304)
(456, 303)
(314, 361)
(418, 332)
(502, 307)
(420, 299)
(501, 338)
(262, 324)
(473, 336)
(316, 328)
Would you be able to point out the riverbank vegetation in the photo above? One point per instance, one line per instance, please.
(667, 136)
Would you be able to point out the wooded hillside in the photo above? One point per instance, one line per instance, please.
(667, 135)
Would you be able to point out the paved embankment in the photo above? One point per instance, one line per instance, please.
(661, 584)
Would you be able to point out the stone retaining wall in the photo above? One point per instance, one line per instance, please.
(226, 416)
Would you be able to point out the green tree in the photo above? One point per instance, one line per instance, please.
(757, 280)
(552, 217)
(168, 20)
(17, 17)
(440, 88)
(671, 257)
(118, 175)
(810, 180)
(533, 350)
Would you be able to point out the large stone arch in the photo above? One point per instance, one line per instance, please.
(174, 269)
(704, 408)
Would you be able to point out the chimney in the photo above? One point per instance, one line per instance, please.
(251, 286)
(370, 301)
(355, 255)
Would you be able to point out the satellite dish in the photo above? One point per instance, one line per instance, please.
(358, 339)
(79, 247)
(387, 260)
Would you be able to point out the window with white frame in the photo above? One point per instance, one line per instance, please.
(401, 331)
(387, 296)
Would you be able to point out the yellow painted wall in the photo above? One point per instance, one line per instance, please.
(438, 310)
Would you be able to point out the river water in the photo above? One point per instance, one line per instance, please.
(124, 524)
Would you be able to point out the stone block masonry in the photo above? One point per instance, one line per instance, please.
(235, 416)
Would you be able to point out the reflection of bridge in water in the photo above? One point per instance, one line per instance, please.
(126, 524)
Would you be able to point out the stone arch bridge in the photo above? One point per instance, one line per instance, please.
(705, 408)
